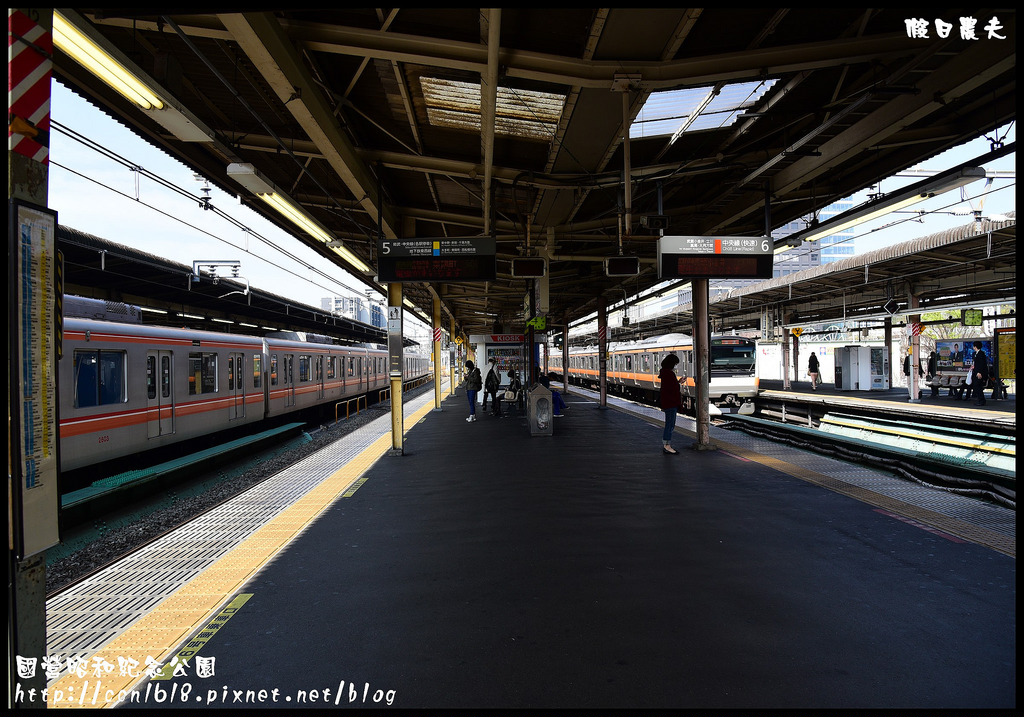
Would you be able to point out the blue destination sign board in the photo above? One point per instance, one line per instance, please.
(436, 259)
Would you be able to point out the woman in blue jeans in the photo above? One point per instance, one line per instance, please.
(670, 400)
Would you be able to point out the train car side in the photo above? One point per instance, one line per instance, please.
(128, 388)
(302, 375)
(632, 368)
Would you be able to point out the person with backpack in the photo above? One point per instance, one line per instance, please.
(473, 384)
(491, 385)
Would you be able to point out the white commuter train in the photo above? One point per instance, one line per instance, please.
(632, 369)
(127, 388)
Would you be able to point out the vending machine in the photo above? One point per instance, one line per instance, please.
(862, 368)
(879, 368)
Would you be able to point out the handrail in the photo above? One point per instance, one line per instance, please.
(383, 395)
(348, 405)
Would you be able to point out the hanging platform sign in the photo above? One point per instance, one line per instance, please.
(710, 257)
(436, 259)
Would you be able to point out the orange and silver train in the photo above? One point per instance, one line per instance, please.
(126, 388)
(632, 369)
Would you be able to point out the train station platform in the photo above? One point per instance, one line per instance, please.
(485, 568)
(1002, 411)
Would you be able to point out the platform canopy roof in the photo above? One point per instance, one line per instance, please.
(520, 123)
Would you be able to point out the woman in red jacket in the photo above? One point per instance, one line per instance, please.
(670, 399)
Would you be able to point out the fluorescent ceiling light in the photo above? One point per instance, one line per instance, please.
(888, 203)
(252, 179)
(352, 259)
(296, 215)
(73, 35)
(98, 61)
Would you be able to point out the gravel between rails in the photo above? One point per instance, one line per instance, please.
(116, 542)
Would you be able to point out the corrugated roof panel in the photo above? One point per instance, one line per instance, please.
(518, 113)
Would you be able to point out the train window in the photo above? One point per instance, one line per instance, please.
(304, 368)
(151, 377)
(351, 366)
(231, 373)
(165, 376)
(99, 378)
(319, 364)
(332, 365)
(629, 362)
(202, 373)
(645, 363)
(733, 353)
(273, 369)
(257, 370)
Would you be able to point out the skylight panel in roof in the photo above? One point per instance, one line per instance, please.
(692, 109)
(518, 113)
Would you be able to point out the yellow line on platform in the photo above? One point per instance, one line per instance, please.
(157, 634)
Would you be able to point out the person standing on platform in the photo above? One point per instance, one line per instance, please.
(933, 373)
(670, 399)
(491, 384)
(813, 370)
(980, 374)
(473, 384)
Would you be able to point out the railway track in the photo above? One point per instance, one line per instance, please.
(113, 534)
(978, 465)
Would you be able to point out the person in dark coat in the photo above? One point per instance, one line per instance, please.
(979, 379)
(473, 384)
(933, 372)
(670, 399)
(491, 385)
(813, 370)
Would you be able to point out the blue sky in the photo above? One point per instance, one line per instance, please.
(125, 207)
(99, 195)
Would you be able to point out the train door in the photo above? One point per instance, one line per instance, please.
(236, 386)
(318, 376)
(160, 393)
(287, 368)
(361, 373)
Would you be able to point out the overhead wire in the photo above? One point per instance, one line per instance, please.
(142, 171)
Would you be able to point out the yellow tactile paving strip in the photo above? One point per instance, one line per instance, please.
(158, 633)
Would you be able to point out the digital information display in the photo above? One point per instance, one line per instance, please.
(436, 259)
(710, 257)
